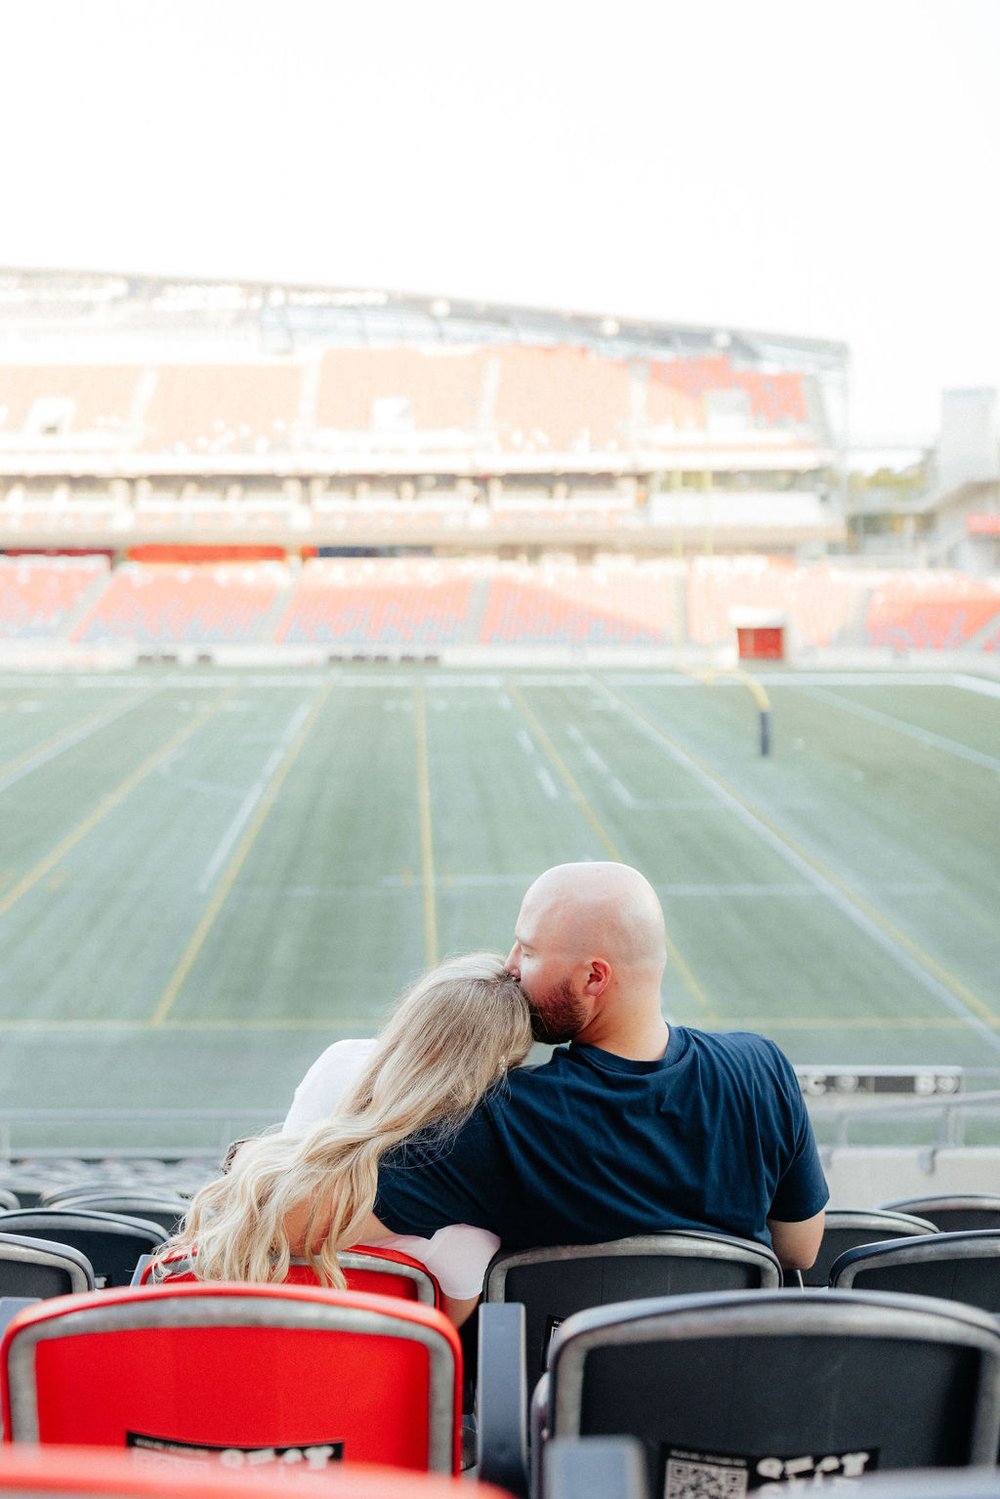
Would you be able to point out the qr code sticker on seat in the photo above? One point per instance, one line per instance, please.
(691, 1478)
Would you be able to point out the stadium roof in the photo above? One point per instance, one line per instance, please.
(288, 316)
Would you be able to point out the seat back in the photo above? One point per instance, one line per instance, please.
(112, 1242)
(61, 1472)
(960, 1267)
(554, 1282)
(954, 1213)
(153, 1207)
(383, 1272)
(846, 1228)
(731, 1389)
(194, 1369)
(41, 1267)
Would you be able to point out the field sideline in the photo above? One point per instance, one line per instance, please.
(205, 877)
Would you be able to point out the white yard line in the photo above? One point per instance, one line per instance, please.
(853, 911)
(900, 726)
(253, 796)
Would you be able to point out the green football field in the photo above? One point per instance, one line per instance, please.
(205, 877)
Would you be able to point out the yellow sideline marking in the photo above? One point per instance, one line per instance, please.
(52, 742)
(225, 885)
(944, 976)
(426, 829)
(604, 838)
(105, 805)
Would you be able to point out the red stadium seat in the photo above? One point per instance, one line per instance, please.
(193, 1369)
(57, 1472)
(382, 1272)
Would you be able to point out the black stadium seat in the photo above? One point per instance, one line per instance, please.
(846, 1228)
(112, 1242)
(728, 1389)
(156, 1207)
(954, 1212)
(42, 1268)
(961, 1267)
(556, 1281)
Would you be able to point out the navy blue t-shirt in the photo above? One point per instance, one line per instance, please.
(590, 1146)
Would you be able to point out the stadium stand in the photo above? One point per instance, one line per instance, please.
(44, 404)
(227, 408)
(570, 605)
(933, 611)
(161, 604)
(819, 601)
(362, 601)
(39, 596)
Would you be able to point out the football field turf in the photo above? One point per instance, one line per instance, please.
(205, 877)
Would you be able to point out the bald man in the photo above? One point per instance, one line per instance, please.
(635, 1126)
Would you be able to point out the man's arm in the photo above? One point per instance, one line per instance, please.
(797, 1244)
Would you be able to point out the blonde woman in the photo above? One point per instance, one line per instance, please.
(449, 1040)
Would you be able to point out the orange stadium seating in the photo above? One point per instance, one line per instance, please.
(578, 606)
(933, 611)
(46, 400)
(39, 595)
(378, 601)
(393, 392)
(163, 604)
(563, 400)
(222, 407)
(819, 601)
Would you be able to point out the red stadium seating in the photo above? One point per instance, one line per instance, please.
(96, 1473)
(381, 1272)
(231, 408)
(168, 1369)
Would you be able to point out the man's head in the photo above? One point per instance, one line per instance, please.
(589, 950)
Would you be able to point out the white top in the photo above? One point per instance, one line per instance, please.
(456, 1256)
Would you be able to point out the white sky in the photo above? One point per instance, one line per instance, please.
(789, 165)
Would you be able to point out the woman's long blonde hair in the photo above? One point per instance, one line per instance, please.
(449, 1039)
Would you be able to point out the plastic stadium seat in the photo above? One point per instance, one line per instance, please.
(62, 1472)
(730, 1388)
(167, 1211)
(554, 1282)
(9, 1201)
(198, 1368)
(846, 1228)
(961, 1267)
(383, 1272)
(42, 1267)
(953, 1212)
(112, 1242)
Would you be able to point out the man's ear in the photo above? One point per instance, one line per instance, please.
(598, 977)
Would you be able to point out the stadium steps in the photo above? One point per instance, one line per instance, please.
(267, 630)
(89, 600)
(987, 637)
(478, 600)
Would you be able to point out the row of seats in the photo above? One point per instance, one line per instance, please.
(627, 1317)
(512, 399)
(437, 602)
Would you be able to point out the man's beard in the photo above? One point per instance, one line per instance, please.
(558, 1015)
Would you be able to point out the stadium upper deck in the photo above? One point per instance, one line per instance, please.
(118, 393)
